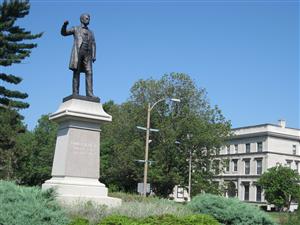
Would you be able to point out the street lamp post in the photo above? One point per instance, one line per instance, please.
(147, 150)
(147, 141)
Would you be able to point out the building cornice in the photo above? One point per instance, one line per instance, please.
(263, 125)
(264, 134)
(236, 176)
(259, 154)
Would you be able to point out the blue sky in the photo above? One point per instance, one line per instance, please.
(245, 53)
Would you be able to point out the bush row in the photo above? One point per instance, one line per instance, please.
(153, 220)
(229, 211)
(29, 205)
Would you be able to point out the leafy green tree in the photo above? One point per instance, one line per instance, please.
(123, 144)
(27, 157)
(38, 164)
(13, 48)
(281, 186)
(22, 156)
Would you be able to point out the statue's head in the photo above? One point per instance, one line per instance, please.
(85, 19)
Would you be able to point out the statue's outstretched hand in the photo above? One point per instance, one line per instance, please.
(66, 22)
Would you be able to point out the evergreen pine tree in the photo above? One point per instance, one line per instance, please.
(13, 49)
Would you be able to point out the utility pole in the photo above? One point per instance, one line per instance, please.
(147, 150)
(148, 129)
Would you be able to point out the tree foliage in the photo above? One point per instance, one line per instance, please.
(123, 144)
(40, 152)
(10, 130)
(281, 186)
(30, 156)
(13, 49)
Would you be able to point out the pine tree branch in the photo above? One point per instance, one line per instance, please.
(6, 25)
(13, 104)
(12, 94)
(10, 78)
(8, 9)
(12, 48)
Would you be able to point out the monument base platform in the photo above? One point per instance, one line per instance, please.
(74, 190)
(75, 170)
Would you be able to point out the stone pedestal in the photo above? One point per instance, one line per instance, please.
(76, 164)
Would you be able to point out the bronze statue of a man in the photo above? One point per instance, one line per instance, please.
(83, 53)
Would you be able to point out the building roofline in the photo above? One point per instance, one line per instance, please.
(263, 125)
(264, 133)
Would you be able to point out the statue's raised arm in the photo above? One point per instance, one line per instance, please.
(64, 31)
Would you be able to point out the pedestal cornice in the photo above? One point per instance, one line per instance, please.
(79, 109)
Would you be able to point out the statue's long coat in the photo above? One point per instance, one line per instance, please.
(77, 33)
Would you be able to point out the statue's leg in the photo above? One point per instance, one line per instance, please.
(89, 83)
(76, 81)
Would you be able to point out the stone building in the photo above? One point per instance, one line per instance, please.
(250, 152)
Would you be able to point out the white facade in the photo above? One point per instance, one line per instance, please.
(250, 152)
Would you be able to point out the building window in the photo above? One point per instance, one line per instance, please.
(227, 165)
(289, 163)
(247, 166)
(235, 165)
(294, 149)
(258, 193)
(297, 167)
(231, 189)
(248, 148)
(246, 192)
(236, 149)
(259, 147)
(228, 149)
(259, 166)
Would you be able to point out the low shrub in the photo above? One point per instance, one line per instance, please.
(279, 217)
(187, 220)
(126, 197)
(161, 220)
(153, 208)
(136, 208)
(229, 211)
(79, 221)
(90, 211)
(118, 220)
(28, 206)
(294, 218)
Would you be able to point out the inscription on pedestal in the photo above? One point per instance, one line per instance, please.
(83, 155)
(83, 148)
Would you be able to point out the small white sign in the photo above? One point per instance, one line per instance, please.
(140, 188)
